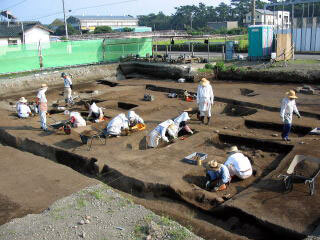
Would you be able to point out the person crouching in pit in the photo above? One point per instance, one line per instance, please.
(23, 110)
(181, 124)
(238, 164)
(205, 99)
(95, 113)
(217, 176)
(163, 131)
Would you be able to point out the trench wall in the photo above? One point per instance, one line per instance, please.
(52, 78)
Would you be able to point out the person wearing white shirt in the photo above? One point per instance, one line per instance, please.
(238, 164)
(95, 113)
(181, 124)
(77, 120)
(43, 106)
(67, 88)
(205, 99)
(22, 108)
(288, 106)
(134, 118)
(165, 128)
(116, 125)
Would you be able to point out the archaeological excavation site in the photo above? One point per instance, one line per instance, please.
(280, 200)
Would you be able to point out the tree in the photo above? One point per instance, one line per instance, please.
(126, 29)
(103, 29)
(60, 31)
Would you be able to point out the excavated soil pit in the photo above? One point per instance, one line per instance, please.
(238, 111)
(83, 102)
(300, 131)
(264, 157)
(108, 83)
(126, 106)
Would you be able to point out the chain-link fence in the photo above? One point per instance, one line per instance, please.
(28, 57)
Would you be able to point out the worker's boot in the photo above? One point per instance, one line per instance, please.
(208, 120)
(202, 119)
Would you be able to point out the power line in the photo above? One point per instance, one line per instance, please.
(14, 5)
(107, 4)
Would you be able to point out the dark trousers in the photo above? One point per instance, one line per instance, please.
(286, 130)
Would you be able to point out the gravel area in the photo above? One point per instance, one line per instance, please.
(96, 212)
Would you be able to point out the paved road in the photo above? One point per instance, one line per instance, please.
(216, 55)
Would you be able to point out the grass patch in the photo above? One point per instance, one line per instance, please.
(243, 40)
(178, 234)
(304, 61)
(98, 194)
(140, 232)
(165, 220)
(81, 203)
(204, 70)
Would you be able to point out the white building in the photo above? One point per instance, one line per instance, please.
(23, 32)
(276, 18)
(89, 23)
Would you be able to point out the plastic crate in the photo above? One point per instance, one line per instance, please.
(188, 159)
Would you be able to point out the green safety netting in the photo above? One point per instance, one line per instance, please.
(58, 54)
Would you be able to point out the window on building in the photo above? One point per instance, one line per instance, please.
(12, 42)
(249, 18)
(258, 16)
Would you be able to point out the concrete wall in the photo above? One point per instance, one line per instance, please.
(12, 85)
(34, 35)
(219, 25)
(4, 41)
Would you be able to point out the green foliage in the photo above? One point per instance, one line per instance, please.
(208, 66)
(204, 70)
(98, 194)
(81, 203)
(126, 29)
(60, 31)
(102, 29)
(232, 68)
(179, 234)
(220, 66)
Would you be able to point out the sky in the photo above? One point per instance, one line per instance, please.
(46, 11)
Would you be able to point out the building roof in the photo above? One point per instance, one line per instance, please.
(105, 17)
(268, 12)
(15, 29)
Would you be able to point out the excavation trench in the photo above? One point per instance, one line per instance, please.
(148, 190)
(229, 101)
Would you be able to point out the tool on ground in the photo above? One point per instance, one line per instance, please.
(148, 97)
(311, 169)
(195, 158)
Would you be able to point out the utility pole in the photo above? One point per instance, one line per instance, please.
(65, 21)
(253, 13)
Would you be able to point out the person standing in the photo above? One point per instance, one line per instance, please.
(43, 106)
(288, 106)
(205, 99)
(67, 88)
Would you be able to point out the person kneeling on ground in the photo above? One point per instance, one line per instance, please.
(117, 125)
(134, 118)
(288, 106)
(165, 128)
(181, 125)
(238, 164)
(95, 113)
(218, 173)
(76, 119)
(23, 109)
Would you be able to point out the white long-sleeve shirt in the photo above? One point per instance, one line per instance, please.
(240, 162)
(42, 95)
(287, 109)
(23, 110)
(133, 117)
(118, 123)
(78, 119)
(162, 128)
(95, 109)
(205, 94)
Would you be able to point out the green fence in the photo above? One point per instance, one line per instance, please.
(29, 57)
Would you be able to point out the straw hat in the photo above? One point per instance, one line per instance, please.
(214, 165)
(291, 94)
(43, 85)
(233, 149)
(23, 100)
(204, 82)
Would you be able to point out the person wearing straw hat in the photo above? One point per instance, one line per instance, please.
(162, 131)
(219, 173)
(205, 99)
(43, 106)
(23, 109)
(288, 106)
(67, 88)
(238, 164)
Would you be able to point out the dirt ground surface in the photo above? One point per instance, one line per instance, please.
(29, 184)
(126, 164)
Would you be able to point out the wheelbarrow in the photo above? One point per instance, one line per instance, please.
(62, 125)
(311, 168)
(89, 133)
